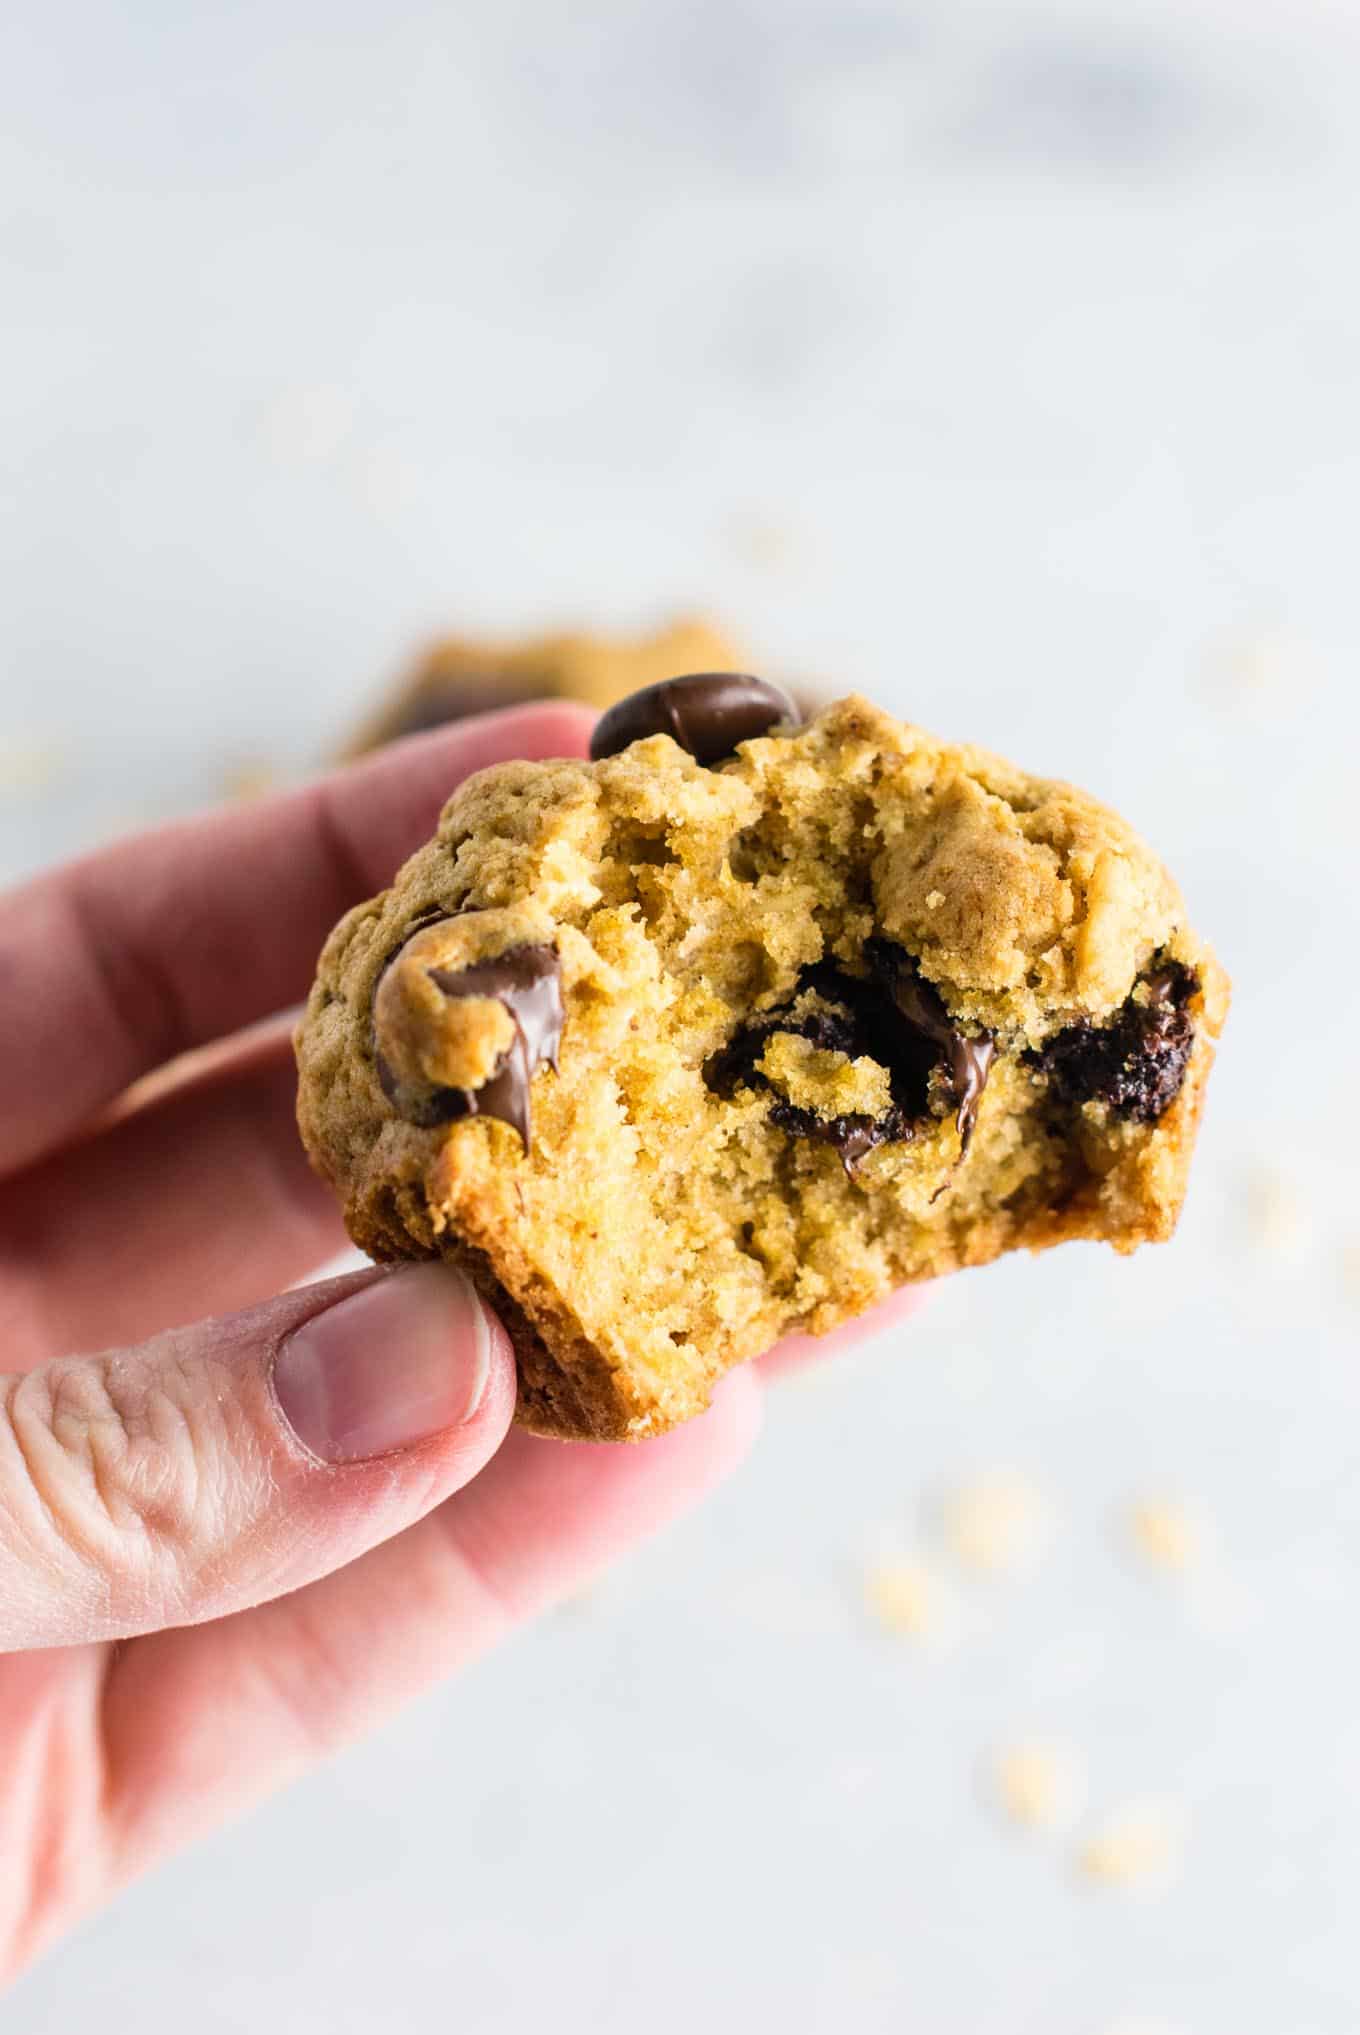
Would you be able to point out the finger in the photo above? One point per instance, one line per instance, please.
(115, 964)
(198, 1203)
(197, 1724)
(217, 1466)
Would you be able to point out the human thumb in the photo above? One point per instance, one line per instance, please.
(231, 1461)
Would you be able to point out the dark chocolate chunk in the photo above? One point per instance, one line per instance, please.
(860, 1021)
(528, 981)
(866, 1019)
(1136, 1063)
(707, 713)
(969, 1060)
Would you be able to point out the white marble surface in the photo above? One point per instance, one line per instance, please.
(1004, 361)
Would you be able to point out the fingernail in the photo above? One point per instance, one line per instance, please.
(404, 1359)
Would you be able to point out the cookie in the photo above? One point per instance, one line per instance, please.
(741, 1024)
(460, 675)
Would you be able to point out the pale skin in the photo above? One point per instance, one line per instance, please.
(228, 1542)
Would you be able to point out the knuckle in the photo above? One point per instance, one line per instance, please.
(124, 1466)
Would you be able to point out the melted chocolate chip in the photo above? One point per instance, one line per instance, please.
(1136, 1063)
(528, 982)
(897, 1020)
(855, 1026)
(707, 713)
(851, 1138)
(969, 1060)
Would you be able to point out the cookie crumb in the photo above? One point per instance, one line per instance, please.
(1138, 1846)
(1278, 1217)
(29, 766)
(934, 900)
(249, 780)
(902, 1596)
(760, 541)
(1350, 1269)
(1035, 1784)
(996, 1523)
(1264, 665)
(1165, 1532)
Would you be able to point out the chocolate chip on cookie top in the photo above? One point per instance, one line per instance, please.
(415, 1042)
(707, 713)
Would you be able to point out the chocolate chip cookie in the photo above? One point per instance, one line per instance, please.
(460, 675)
(743, 1023)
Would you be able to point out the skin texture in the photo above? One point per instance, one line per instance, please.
(193, 1609)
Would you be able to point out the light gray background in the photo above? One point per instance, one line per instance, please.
(1004, 362)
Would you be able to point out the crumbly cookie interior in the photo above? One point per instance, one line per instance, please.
(776, 975)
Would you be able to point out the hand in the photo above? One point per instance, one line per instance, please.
(227, 1547)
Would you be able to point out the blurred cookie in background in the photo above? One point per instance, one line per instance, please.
(462, 675)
